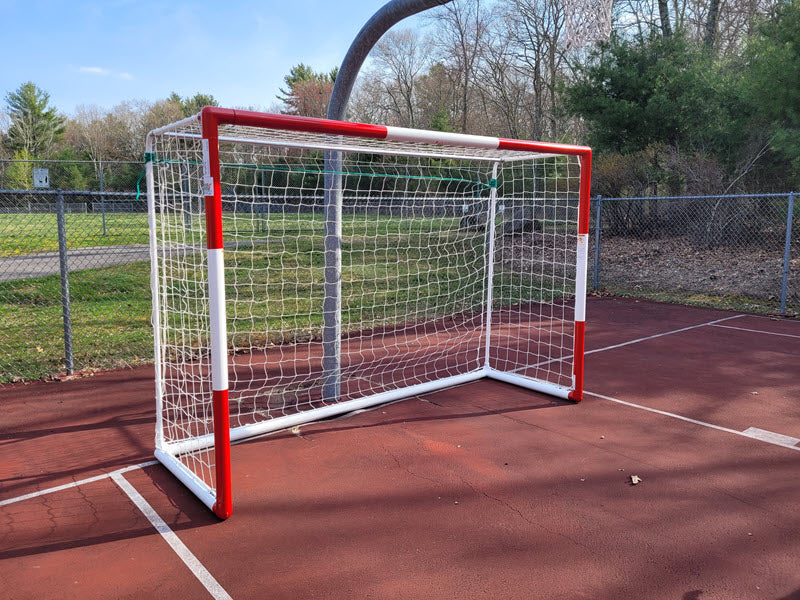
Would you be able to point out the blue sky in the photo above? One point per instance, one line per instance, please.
(104, 53)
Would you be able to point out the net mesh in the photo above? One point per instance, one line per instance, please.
(586, 22)
(418, 223)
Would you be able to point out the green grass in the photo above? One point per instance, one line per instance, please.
(393, 268)
(705, 300)
(110, 321)
(30, 233)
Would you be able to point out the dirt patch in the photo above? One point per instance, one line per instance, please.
(674, 264)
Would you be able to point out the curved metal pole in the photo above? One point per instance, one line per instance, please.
(391, 13)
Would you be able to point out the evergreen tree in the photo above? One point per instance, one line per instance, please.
(192, 106)
(35, 126)
(772, 81)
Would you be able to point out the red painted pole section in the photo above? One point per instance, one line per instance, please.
(223, 507)
(576, 395)
(227, 116)
(585, 192)
(211, 183)
(544, 147)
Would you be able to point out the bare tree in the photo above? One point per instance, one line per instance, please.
(461, 34)
(663, 13)
(400, 58)
(537, 28)
(504, 87)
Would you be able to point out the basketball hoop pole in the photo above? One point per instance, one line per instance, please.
(391, 13)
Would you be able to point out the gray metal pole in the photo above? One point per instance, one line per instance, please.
(65, 306)
(598, 227)
(392, 12)
(332, 304)
(787, 252)
(102, 198)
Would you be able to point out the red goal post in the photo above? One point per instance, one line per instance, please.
(213, 439)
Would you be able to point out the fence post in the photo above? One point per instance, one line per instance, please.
(787, 250)
(597, 229)
(65, 307)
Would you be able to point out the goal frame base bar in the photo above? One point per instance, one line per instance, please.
(167, 455)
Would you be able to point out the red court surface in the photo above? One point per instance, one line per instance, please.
(480, 491)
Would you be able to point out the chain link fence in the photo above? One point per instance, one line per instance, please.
(74, 282)
(83, 175)
(740, 251)
(75, 287)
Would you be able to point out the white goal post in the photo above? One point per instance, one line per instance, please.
(444, 258)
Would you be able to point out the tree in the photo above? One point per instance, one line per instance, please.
(462, 32)
(192, 106)
(35, 126)
(772, 82)
(307, 92)
(661, 90)
(400, 56)
(19, 173)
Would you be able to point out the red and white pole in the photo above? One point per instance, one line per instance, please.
(216, 295)
(580, 275)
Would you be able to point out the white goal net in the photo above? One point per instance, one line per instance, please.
(454, 263)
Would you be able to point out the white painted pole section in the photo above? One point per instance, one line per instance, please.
(155, 317)
(187, 478)
(401, 134)
(175, 125)
(344, 146)
(528, 383)
(580, 276)
(217, 319)
(279, 423)
(490, 231)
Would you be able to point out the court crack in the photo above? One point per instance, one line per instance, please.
(406, 469)
(478, 491)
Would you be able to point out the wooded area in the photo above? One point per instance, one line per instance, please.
(687, 96)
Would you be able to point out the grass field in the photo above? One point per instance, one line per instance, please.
(393, 270)
(110, 321)
(31, 233)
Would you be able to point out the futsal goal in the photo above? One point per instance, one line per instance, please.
(304, 268)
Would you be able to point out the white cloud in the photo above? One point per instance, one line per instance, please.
(105, 72)
(94, 70)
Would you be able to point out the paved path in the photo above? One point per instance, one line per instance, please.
(79, 259)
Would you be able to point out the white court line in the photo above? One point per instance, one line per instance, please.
(748, 433)
(67, 486)
(636, 341)
(189, 559)
(772, 437)
(658, 335)
(759, 331)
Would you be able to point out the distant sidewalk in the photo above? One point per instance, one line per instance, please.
(79, 259)
(27, 266)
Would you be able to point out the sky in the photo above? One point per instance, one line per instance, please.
(104, 53)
